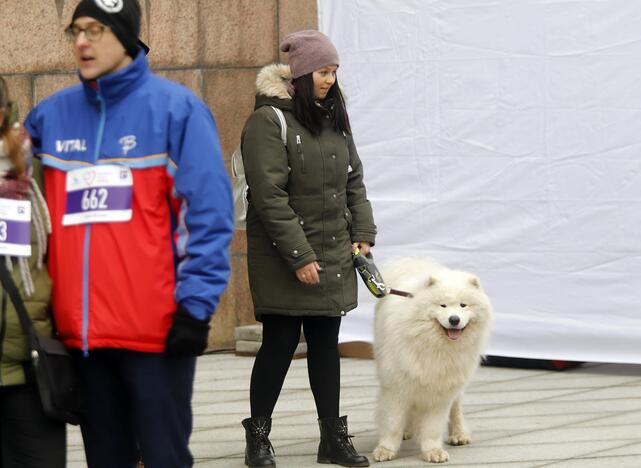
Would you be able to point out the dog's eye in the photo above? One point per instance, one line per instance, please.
(463, 306)
(443, 305)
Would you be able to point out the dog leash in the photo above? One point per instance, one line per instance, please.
(372, 278)
(398, 292)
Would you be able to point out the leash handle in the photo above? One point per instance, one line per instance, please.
(370, 275)
(372, 278)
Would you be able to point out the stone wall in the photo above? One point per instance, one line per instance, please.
(214, 47)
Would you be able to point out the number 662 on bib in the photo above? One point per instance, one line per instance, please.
(98, 194)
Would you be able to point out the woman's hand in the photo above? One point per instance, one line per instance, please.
(364, 247)
(308, 274)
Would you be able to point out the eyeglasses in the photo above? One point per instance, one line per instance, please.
(93, 33)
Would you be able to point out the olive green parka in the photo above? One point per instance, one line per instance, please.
(307, 202)
(14, 351)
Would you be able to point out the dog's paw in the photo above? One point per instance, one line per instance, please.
(461, 438)
(383, 454)
(436, 455)
(407, 435)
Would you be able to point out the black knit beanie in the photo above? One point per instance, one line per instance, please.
(122, 16)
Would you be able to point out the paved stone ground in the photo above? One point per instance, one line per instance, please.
(588, 417)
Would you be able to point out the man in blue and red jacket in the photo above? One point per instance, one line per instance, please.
(142, 220)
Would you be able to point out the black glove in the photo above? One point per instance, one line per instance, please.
(187, 335)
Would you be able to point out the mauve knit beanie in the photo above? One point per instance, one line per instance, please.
(309, 50)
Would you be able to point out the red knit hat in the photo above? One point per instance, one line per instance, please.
(309, 50)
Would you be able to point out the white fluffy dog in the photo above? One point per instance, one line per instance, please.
(427, 348)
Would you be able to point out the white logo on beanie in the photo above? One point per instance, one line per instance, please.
(110, 6)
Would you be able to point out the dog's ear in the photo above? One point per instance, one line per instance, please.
(474, 281)
(431, 281)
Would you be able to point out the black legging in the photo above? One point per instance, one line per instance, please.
(280, 337)
(28, 438)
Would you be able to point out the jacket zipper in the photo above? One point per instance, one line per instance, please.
(87, 242)
(301, 155)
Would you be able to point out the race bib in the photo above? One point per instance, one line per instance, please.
(98, 194)
(15, 227)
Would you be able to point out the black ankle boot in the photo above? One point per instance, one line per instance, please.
(335, 444)
(258, 451)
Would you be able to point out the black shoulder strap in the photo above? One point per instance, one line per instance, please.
(18, 304)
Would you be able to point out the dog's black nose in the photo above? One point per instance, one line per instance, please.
(455, 320)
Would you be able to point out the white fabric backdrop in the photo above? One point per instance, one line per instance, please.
(504, 137)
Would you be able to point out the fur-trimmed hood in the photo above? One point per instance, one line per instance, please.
(275, 81)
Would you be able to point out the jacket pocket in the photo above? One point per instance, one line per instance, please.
(301, 155)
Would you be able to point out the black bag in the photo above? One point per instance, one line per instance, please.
(55, 373)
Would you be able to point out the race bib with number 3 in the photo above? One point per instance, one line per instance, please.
(98, 194)
(15, 227)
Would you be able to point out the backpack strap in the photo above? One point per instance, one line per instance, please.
(283, 124)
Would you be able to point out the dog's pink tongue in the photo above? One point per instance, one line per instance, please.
(454, 333)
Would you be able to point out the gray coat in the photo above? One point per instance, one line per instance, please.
(307, 203)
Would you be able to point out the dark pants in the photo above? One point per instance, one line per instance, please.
(280, 337)
(137, 404)
(28, 439)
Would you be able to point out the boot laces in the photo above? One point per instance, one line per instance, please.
(262, 435)
(347, 442)
(345, 438)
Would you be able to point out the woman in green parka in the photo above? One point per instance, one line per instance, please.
(308, 211)
(28, 439)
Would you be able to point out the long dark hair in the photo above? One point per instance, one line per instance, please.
(307, 112)
(7, 133)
